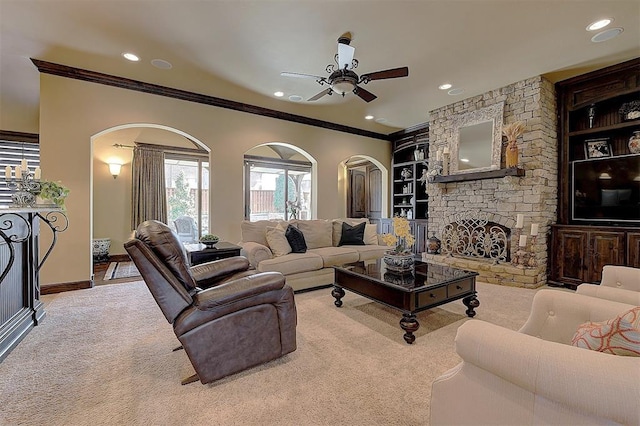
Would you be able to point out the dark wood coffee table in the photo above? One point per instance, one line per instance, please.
(428, 286)
(199, 253)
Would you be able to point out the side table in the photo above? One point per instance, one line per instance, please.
(199, 253)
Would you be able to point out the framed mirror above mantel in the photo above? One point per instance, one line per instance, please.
(477, 140)
(476, 146)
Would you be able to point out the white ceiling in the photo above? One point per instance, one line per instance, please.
(237, 49)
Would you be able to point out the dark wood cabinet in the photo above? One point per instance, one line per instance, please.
(578, 253)
(589, 109)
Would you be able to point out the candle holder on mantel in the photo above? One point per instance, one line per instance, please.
(25, 186)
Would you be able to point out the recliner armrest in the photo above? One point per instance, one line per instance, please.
(208, 274)
(239, 289)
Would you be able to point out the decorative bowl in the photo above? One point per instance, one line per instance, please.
(209, 240)
(399, 263)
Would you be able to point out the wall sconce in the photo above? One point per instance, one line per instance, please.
(114, 169)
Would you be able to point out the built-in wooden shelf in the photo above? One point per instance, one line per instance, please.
(491, 174)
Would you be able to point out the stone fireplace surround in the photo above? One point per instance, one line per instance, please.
(534, 195)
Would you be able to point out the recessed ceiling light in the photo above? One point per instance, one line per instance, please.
(278, 94)
(464, 160)
(368, 117)
(295, 98)
(131, 57)
(381, 120)
(454, 92)
(162, 64)
(606, 35)
(444, 86)
(599, 24)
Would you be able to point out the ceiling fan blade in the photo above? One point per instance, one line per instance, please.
(345, 55)
(321, 94)
(364, 94)
(380, 75)
(300, 75)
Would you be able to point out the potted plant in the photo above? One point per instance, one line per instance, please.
(400, 258)
(53, 191)
(209, 240)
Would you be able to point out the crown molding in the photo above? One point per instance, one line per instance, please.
(155, 89)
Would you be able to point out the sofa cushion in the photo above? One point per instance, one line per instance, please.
(336, 227)
(292, 263)
(333, 256)
(617, 336)
(277, 241)
(296, 239)
(369, 252)
(352, 235)
(317, 233)
(256, 231)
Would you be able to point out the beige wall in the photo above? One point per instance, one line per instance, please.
(73, 111)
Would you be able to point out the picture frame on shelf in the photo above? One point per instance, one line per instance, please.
(597, 148)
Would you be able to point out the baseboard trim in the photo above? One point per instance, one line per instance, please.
(61, 287)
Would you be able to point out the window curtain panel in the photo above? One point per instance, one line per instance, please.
(148, 195)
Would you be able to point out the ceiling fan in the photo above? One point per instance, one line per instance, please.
(342, 79)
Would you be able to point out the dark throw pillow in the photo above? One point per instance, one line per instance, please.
(352, 235)
(296, 239)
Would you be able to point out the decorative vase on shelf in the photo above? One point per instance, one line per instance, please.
(634, 142)
(511, 154)
(406, 174)
(416, 154)
(398, 263)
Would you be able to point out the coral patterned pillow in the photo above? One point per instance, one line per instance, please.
(617, 336)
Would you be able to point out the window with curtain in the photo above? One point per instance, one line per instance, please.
(277, 189)
(148, 187)
(187, 191)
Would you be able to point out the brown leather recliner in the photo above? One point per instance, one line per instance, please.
(226, 317)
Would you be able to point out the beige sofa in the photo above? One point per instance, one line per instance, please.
(619, 283)
(314, 268)
(535, 376)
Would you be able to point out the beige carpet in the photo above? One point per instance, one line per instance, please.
(103, 356)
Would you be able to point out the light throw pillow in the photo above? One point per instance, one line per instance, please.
(371, 234)
(295, 239)
(317, 232)
(352, 235)
(336, 227)
(277, 240)
(256, 231)
(617, 336)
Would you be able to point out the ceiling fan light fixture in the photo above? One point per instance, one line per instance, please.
(342, 86)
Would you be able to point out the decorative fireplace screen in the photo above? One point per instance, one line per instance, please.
(473, 235)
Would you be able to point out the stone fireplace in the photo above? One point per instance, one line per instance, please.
(499, 200)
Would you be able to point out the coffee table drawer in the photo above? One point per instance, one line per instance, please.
(455, 289)
(432, 296)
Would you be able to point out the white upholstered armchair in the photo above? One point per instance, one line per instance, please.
(534, 375)
(619, 283)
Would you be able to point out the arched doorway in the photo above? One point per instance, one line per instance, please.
(111, 196)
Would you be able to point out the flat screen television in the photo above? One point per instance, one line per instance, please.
(606, 190)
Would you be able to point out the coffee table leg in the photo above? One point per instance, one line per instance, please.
(471, 302)
(338, 293)
(409, 324)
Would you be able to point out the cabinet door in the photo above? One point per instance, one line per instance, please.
(570, 251)
(357, 193)
(606, 248)
(633, 249)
